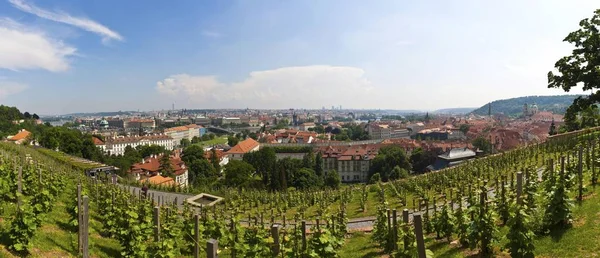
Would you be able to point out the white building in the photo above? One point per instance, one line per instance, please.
(116, 145)
(183, 132)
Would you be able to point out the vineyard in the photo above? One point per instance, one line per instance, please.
(499, 205)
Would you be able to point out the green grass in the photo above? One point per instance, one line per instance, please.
(217, 140)
(359, 245)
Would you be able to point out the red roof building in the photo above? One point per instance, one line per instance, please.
(150, 167)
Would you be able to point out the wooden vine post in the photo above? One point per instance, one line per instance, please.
(405, 222)
(419, 236)
(580, 173)
(275, 235)
(519, 187)
(156, 220)
(85, 227)
(79, 220)
(212, 246)
(196, 236)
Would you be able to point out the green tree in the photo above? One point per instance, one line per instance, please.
(332, 179)
(319, 164)
(387, 158)
(166, 168)
(147, 150)
(238, 173)
(214, 160)
(482, 144)
(464, 128)
(196, 139)
(232, 141)
(185, 142)
(398, 173)
(201, 172)
(264, 161)
(35, 116)
(420, 159)
(306, 178)
(192, 153)
(580, 68)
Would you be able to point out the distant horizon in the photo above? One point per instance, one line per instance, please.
(317, 109)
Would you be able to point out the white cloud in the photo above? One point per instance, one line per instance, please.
(211, 34)
(62, 17)
(25, 48)
(9, 88)
(304, 86)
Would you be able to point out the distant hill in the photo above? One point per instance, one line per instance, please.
(514, 106)
(454, 110)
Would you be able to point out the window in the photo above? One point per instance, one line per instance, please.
(355, 177)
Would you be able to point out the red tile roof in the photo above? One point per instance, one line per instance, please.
(244, 146)
(23, 134)
(97, 141)
(151, 166)
(208, 154)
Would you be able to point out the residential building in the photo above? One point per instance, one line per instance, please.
(399, 133)
(221, 155)
(243, 147)
(415, 128)
(21, 137)
(183, 132)
(140, 122)
(115, 123)
(306, 126)
(149, 171)
(202, 120)
(379, 131)
(116, 145)
(351, 162)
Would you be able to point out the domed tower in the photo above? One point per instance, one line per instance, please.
(104, 124)
(534, 109)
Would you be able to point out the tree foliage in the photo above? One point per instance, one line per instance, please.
(388, 158)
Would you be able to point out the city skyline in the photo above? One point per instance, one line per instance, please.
(68, 56)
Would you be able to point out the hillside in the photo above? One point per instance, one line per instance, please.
(454, 110)
(514, 106)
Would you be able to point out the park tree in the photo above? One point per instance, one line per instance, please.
(464, 128)
(35, 116)
(238, 173)
(264, 161)
(482, 144)
(201, 172)
(214, 160)
(387, 158)
(232, 141)
(332, 179)
(306, 178)
(420, 159)
(27, 115)
(196, 139)
(185, 142)
(166, 168)
(192, 153)
(580, 68)
(319, 164)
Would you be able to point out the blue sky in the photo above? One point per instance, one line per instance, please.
(107, 55)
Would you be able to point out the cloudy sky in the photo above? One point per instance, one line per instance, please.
(80, 56)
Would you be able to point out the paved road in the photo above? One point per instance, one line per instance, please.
(363, 224)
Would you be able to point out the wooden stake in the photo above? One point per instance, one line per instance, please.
(419, 236)
(156, 224)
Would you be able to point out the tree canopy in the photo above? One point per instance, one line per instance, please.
(387, 158)
(580, 68)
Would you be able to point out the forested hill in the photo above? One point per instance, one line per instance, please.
(514, 106)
